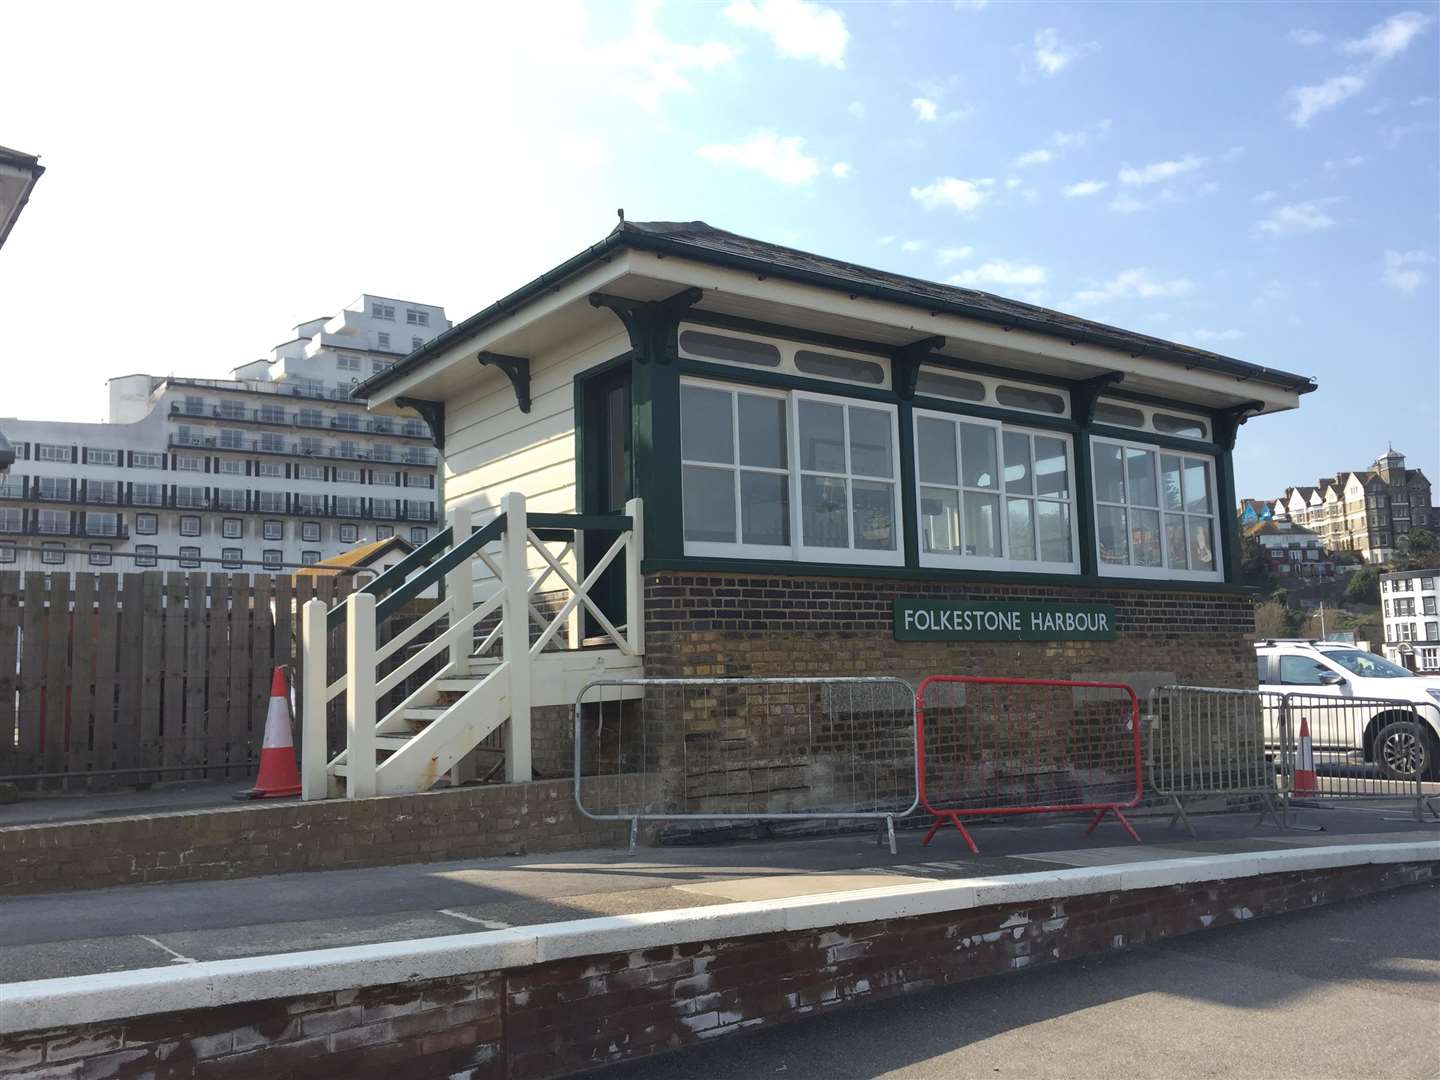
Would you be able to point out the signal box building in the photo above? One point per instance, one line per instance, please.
(846, 471)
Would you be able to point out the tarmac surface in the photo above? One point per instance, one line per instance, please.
(1351, 990)
(74, 933)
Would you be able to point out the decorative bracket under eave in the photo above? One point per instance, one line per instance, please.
(1228, 421)
(432, 412)
(1084, 393)
(650, 323)
(516, 369)
(906, 361)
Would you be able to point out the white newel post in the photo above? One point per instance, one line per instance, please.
(460, 595)
(360, 696)
(516, 550)
(634, 583)
(314, 641)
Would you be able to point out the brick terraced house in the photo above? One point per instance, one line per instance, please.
(821, 447)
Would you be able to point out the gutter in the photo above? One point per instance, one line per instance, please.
(624, 237)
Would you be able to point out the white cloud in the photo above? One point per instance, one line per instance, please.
(1080, 137)
(1263, 197)
(886, 241)
(1084, 188)
(1134, 284)
(1305, 37)
(1421, 101)
(797, 28)
(1310, 101)
(1001, 272)
(781, 158)
(912, 245)
(971, 5)
(1052, 55)
(1402, 269)
(1159, 170)
(925, 109)
(946, 256)
(841, 170)
(966, 196)
(645, 64)
(1125, 203)
(1012, 182)
(857, 109)
(1210, 337)
(1381, 106)
(1388, 39)
(1301, 217)
(1033, 157)
(1354, 161)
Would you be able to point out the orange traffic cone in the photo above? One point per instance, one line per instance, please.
(279, 775)
(1305, 782)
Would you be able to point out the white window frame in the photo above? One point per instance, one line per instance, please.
(1004, 562)
(145, 555)
(796, 550)
(1163, 572)
(8, 553)
(271, 558)
(142, 520)
(273, 530)
(54, 452)
(95, 455)
(189, 557)
(147, 459)
(349, 534)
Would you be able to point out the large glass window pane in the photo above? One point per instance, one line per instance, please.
(823, 512)
(762, 431)
(1110, 526)
(982, 524)
(874, 515)
(1052, 474)
(1170, 482)
(822, 437)
(764, 508)
(1202, 555)
(1053, 526)
(1021, 525)
(1109, 473)
(937, 451)
(871, 450)
(1175, 541)
(1018, 480)
(1140, 477)
(709, 496)
(1145, 537)
(1197, 486)
(706, 433)
(977, 456)
(940, 520)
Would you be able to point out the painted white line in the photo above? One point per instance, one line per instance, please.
(489, 924)
(175, 957)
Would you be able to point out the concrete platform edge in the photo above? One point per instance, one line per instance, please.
(88, 999)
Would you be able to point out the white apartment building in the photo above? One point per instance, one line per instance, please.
(1410, 603)
(272, 469)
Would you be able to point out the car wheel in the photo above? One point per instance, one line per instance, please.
(1402, 750)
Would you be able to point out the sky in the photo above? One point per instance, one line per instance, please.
(1258, 179)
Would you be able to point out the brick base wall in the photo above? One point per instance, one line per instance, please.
(332, 834)
(556, 1018)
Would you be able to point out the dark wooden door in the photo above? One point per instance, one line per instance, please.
(607, 484)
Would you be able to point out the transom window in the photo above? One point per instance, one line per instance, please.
(792, 476)
(985, 390)
(993, 495)
(1154, 512)
(1128, 414)
(777, 354)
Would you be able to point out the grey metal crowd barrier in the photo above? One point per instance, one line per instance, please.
(1362, 748)
(749, 749)
(1204, 741)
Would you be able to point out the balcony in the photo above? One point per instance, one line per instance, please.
(147, 498)
(106, 531)
(62, 494)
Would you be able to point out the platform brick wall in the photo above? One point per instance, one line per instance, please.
(725, 624)
(566, 1016)
(285, 837)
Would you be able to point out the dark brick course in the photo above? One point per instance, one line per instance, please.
(570, 1015)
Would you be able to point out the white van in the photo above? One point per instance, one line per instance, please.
(1388, 736)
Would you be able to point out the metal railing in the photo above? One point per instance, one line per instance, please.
(1203, 741)
(748, 749)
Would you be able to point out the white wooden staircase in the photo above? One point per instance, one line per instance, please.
(474, 694)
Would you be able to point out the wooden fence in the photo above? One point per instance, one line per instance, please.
(123, 678)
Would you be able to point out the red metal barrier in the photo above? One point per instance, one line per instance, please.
(989, 747)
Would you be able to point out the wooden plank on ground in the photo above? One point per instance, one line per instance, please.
(80, 755)
(9, 670)
(32, 674)
(109, 643)
(57, 674)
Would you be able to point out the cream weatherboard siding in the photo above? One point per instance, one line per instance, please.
(492, 448)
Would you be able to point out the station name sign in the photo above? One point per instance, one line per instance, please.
(1002, 620)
